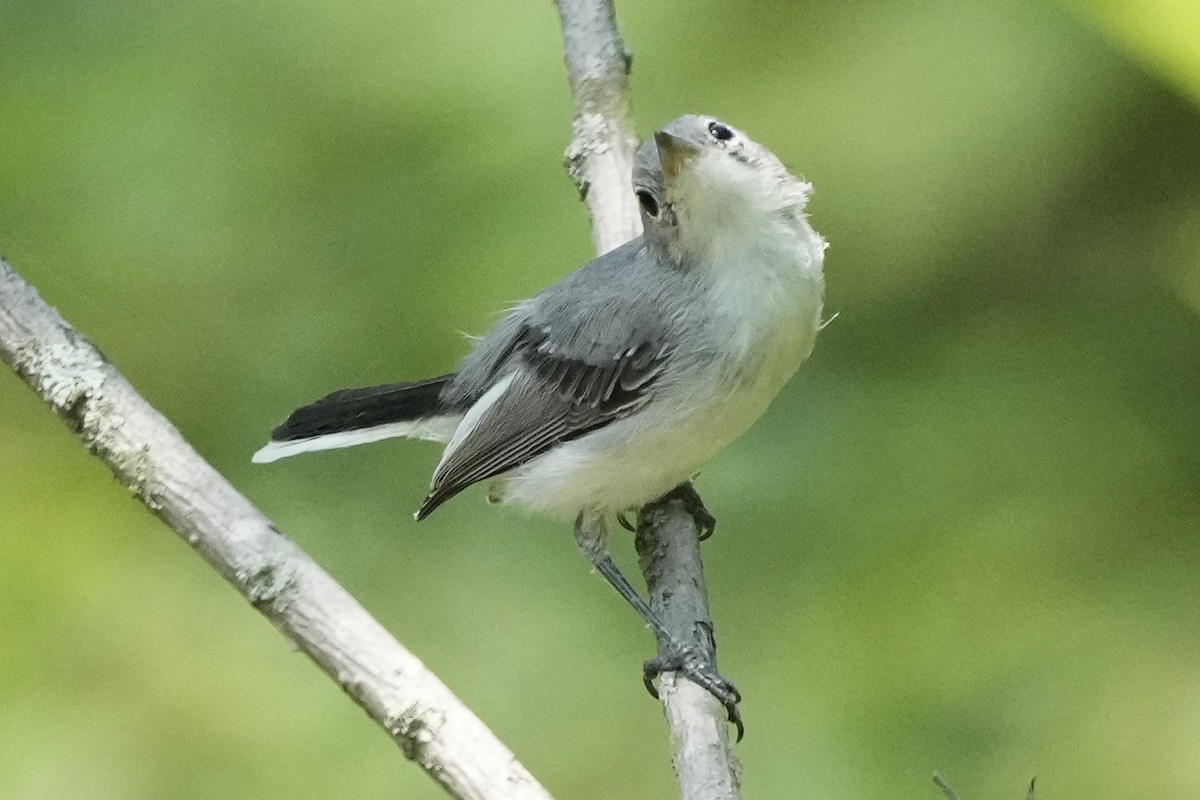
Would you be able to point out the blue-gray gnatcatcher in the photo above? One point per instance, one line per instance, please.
(617, 383)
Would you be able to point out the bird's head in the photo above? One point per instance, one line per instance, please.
(703, 186)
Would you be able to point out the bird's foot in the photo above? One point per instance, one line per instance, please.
(693, 665)
(686, 494)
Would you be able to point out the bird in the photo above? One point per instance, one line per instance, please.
(617, 383)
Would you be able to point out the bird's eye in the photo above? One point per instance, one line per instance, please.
(722, 133)
(648, 203)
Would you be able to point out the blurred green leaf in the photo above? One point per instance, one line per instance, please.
(1162, 34)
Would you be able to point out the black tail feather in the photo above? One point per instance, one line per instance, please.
(355, 409)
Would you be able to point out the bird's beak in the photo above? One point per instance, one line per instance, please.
(673, 154)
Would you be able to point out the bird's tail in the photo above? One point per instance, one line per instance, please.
(358, 416)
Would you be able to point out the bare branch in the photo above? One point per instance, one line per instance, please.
(150, 458)
(600, 161)
(669, 548)
(600, 155)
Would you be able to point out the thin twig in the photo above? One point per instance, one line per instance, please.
(946, 790)
(151, 458)
(951, 795)
(600, 161)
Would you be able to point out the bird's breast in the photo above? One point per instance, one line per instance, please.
(765, 302)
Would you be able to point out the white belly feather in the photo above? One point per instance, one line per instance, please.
(763, 325)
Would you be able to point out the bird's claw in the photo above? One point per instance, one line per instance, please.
(690, 663)
(686, 494)
(623, 521)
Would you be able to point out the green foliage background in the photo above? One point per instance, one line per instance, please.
(964, 539)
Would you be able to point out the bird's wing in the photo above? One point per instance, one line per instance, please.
(560, 384)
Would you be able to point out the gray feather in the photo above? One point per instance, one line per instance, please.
(586, 351)
(625, 299)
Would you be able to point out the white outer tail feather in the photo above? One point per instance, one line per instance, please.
(471, 419)
(434, 429)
